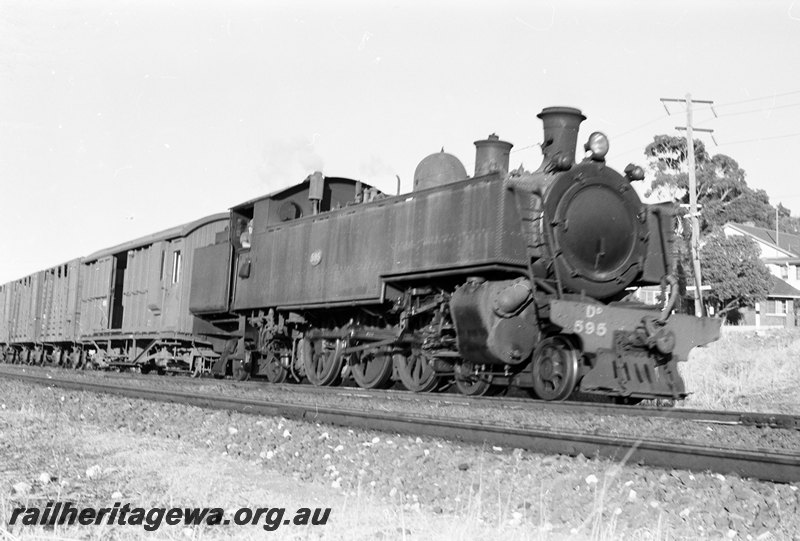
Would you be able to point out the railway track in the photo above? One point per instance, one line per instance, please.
(771, 466)
(734, 418)
(740, 418)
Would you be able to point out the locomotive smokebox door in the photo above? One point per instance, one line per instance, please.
(495, 321)
(599, 230)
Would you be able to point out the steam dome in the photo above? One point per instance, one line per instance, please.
(437, 170)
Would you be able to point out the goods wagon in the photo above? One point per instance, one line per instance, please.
(40, 314)
(23, 318)
(58, 306)
(134, 300)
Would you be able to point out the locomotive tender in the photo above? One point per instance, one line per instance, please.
(504, 278)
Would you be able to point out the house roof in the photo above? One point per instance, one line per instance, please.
(786, 241)
(781, 288)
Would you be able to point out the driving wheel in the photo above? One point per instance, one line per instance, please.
(554, 368)
(372, 369)
(471, 382)
(271, 364)
(416, 371)
(323, 361)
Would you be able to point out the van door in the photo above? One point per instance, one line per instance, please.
(97, 287)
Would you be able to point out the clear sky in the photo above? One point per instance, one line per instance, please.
(122, 118)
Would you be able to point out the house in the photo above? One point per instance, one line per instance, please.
(781, 255)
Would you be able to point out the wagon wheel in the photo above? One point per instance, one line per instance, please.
(272, 366)
(471, 383)
(554, 368)
(323, 361)
(416, 371)
(372, 369)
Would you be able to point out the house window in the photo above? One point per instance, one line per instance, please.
(176, 267)
(784, 271)
(778, 307)
(797, 273)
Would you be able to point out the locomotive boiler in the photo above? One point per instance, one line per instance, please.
(504, 278)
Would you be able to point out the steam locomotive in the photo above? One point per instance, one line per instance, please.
(506, 278)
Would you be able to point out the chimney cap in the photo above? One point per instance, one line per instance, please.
(561, 109)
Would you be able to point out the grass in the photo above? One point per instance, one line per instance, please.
(756, 371)
(151, 471)
(746, 370)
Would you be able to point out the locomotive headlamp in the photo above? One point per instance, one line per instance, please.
(597, 145)
(634, 172)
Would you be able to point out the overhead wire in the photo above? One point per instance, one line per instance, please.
(762, 109)
(716, 106)
(756, 139)
(649, 122)
(749, 100)
(526, 147)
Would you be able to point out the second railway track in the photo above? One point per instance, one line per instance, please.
(740, 418)
(760, 464)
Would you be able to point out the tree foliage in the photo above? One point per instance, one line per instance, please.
(788, 223)
(737, 276)
(722, 191)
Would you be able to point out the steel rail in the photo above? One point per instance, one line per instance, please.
(759, 464)
(739, 418)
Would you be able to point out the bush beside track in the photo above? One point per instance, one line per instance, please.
(746, 370)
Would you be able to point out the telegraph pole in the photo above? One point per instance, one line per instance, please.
(693, 214)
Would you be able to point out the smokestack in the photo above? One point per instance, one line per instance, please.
(560, 136)
(492, 156)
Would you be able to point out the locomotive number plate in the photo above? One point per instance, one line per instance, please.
(589, 325)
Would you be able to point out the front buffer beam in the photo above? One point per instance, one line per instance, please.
(631, 353)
